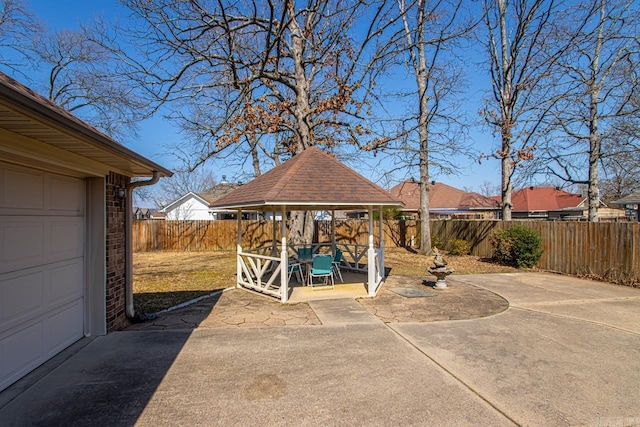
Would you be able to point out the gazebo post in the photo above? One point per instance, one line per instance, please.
(284, 259)
(381, 245)
(274, 245)
(371, 255)
(333, 232)
(239, 250)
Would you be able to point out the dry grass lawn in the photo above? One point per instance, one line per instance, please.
(164, 279)
(405, 263)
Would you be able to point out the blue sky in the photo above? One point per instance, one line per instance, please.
(156, 134)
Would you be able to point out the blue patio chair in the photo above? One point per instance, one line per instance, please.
(305, 253)
(297, 268)
(335, 265)
(322, 267)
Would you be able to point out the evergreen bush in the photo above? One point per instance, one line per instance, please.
(459, 247)
(517, 246)
(436, 242)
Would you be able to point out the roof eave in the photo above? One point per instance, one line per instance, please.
(297, 205)
(89, 136)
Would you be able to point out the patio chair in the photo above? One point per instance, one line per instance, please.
(297, 268)
(305, 253)
(335, 265)
(322, 267)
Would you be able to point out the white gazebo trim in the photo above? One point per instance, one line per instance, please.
(284, 258)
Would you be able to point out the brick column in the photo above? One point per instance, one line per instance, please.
(116, 241)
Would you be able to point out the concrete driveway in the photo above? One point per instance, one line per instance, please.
(566, 352)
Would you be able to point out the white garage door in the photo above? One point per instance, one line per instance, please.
(41, 267)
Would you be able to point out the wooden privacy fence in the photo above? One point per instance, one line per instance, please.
(569, 247)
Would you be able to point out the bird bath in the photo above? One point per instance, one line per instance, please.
(440, 270)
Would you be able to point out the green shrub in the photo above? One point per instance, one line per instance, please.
(459, 247)
(387, 213)
(517, 246)
(436, 242)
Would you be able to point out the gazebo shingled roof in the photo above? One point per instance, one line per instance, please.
(310, 180)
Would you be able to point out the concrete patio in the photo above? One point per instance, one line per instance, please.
(566, 351)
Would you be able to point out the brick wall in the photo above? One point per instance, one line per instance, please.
(116, 275)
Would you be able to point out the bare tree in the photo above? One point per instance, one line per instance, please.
(431, 33)
(487, 188)
(18, 26)
(289, 74)
(520, 59)
(85, 79)
(596, 115)
(79, 74)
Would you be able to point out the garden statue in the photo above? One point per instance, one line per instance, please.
(440, 270)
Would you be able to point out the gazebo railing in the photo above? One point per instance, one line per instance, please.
(374, 273)
(354, 256)
(378, 263)
(260, 272)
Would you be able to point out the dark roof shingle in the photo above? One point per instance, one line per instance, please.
(309, 180)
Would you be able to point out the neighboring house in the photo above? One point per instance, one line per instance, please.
(631, 204)
(193, 207)
(552, 203)
(326, 215)
(65, 208)
(146, 213)
(188, 207)
(445, 201)
(546, 203)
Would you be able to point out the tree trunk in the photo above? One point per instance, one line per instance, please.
(506, 108)
(422, 80)
(301, 228)
(507, 189)
(302, 107)
(593, 191)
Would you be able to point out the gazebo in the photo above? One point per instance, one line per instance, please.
(311, 180)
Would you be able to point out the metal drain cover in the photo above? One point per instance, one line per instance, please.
(413, 292)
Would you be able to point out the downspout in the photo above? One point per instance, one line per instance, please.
(128, 221)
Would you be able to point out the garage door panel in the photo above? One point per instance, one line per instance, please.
(66, 239)
(20, 353)
(28, 294)
(42, 228)
(30, 241)
(63, 328)
(65, 283)
(22, 188)
(22, 243)
(66, 195)
(21, 297)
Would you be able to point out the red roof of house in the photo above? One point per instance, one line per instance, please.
(441, 196)
(312, 180)
(543, 199)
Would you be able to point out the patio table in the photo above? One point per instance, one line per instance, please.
(307, 263)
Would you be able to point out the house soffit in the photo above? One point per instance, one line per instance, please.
(25, 113)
